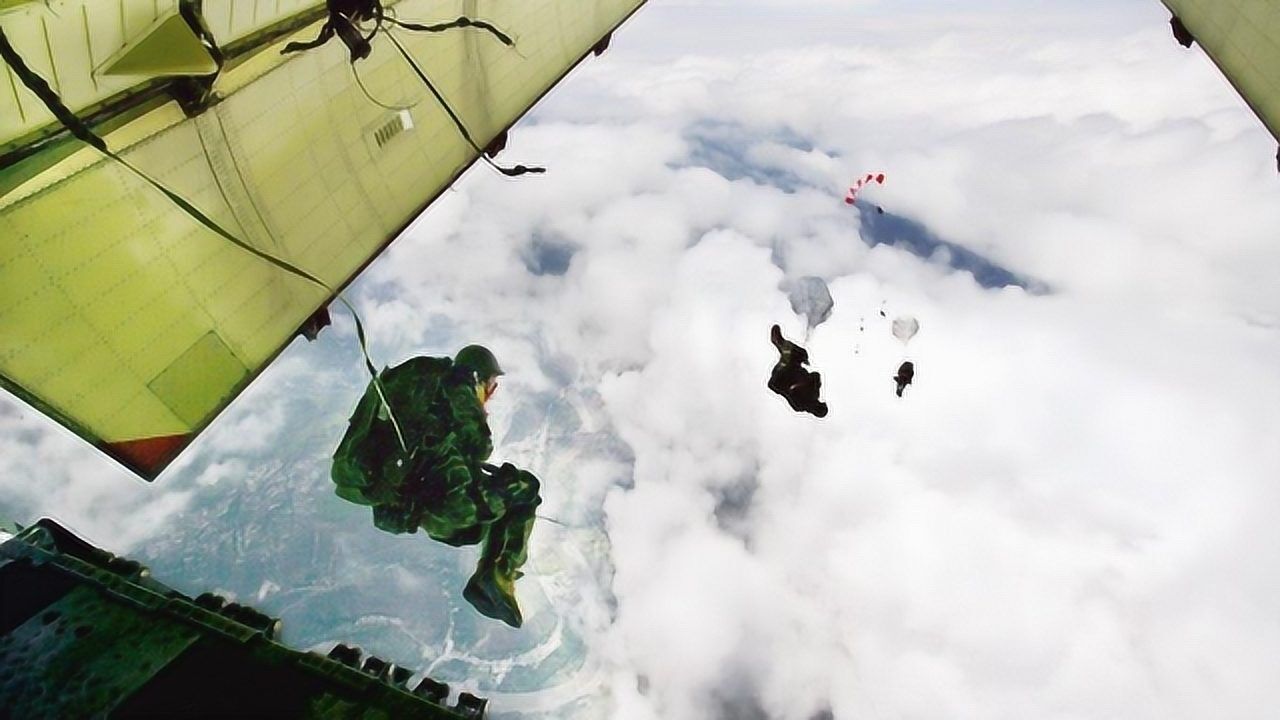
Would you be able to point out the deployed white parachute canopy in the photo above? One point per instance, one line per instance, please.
(811, 298)
(905, 327)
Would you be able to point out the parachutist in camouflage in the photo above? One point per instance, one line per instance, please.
(906, 373)
(791, 380)
(439, 481)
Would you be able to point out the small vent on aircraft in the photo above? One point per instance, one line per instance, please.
(388, 130)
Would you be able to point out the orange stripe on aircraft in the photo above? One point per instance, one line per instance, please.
(148, 454)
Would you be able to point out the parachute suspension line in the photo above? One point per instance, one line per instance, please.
(82, 132)
(76, 126)
(373, 373)
(345, 23)
(457, 121)
(395, 108)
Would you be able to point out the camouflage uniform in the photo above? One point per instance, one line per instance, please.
(443, 484)
(800, 387)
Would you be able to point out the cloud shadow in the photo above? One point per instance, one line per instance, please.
(887, 228)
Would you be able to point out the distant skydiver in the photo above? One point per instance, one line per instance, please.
(791, 380)
(422, 465)
(904, 328)
(906, 373)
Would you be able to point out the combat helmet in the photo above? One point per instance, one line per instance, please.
(478, 359)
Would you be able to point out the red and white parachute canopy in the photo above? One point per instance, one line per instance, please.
(862, 182)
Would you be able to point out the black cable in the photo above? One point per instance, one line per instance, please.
(82, 132)
(347, 28)
(462, 22)
(457, 121)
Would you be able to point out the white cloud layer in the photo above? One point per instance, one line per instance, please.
(1070, 514)
(1053, 522)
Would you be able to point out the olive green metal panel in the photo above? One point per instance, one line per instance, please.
(231, 20)
(1243, 38)
(74, 45)
(104, 289)
(134, 325)
(168, 47)
(66, 47)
